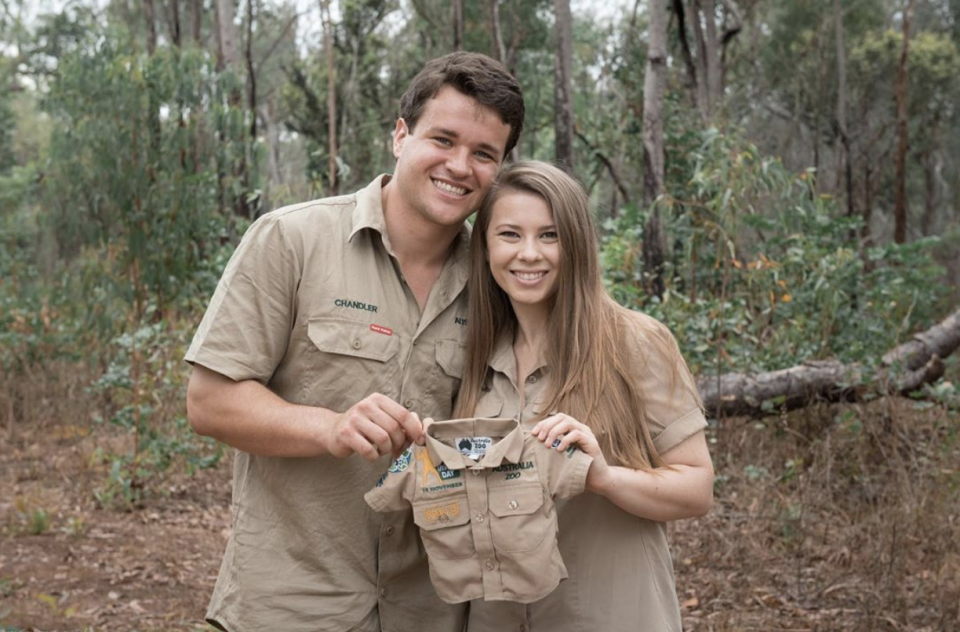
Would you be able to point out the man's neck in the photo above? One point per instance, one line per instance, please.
(415, 241)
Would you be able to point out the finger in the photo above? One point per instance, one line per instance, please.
(395, 434)
(411, 426)
(574, 437)
(558, 430)
(359, 444)
(545, 425)
(376, 435)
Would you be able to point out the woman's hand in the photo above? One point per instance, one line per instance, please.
(561, 431)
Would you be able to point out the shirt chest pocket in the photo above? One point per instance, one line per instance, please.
(345, 361)
(351, 338)
(445, 527)
(518, 523)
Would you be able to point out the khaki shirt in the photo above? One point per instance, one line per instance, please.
(490, 533)
(621, 574)
(312, 305)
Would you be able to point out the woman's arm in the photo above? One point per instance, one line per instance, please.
(683, 490)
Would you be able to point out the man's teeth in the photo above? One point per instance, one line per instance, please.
(449, 188)
(529, 276)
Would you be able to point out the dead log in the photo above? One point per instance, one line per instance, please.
(903, 369)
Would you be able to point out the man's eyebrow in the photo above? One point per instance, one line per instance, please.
(487, 147)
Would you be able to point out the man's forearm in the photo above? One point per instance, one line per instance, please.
(250, 417)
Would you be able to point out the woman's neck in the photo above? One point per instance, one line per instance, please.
(531, 337)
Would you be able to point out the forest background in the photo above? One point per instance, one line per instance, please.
(779, 182)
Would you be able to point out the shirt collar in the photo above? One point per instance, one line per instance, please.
(508, 449)
(368, 212)
(503, 360)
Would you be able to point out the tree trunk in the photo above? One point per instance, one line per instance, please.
(175, 23)
(196, 23)
(905, 368)
(563, 99)
(251, 73)
(328, 48)
(900, 199)
(680, 12)
(151, 16)
(844, 157)
(932, 168)
(500, 51)
(654, 249)
(458, 24)
(227, 39)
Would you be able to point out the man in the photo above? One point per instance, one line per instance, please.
(336, 325)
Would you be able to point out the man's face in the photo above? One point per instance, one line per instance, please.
(448, 161)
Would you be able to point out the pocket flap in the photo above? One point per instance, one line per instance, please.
(450, 356)
(440, 514)
(352, 338)
(516, 501)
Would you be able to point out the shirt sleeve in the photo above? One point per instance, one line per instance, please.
(565, 472)
(246, 328)
(394, 490)
(671, 401)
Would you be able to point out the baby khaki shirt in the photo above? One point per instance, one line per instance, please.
(482, 495)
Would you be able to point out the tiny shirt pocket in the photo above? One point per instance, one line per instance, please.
(445, 527)
(518, 524)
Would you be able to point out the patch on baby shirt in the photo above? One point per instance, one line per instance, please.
(473, 447)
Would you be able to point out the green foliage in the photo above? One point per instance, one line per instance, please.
(764, 273)
(141, 383)
(134, 169)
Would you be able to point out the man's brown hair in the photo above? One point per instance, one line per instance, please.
(475, 75)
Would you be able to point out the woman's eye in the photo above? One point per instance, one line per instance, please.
(551, 235)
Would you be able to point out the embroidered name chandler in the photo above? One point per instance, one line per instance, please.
(511, 467)
(342, 302)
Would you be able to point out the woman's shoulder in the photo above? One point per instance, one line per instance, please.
(639, 328)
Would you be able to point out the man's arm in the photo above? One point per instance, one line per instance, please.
(250, 417)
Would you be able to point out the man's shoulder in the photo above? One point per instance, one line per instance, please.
(330, 209)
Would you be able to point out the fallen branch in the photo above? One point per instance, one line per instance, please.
(903, 369)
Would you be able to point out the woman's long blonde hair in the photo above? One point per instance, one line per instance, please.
(587, 360)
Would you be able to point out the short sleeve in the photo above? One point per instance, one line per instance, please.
(671, 402)
(565, 472)
(246, 328)
(394, 489)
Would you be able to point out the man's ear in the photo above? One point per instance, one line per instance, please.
(400, 132)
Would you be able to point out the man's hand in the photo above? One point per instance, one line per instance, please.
(374, 426)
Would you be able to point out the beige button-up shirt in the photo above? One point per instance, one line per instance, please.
(312, 304)
(488, 523)
(621, 574)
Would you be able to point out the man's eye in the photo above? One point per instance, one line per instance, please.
(485, 156)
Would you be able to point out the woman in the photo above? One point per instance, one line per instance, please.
(546, 338)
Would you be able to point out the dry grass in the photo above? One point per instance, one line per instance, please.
(834, 517)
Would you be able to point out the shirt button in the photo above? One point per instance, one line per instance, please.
(479, 518)
(390, 530)
(490, 565)
(532, 379)
(513, 504)
(523, 628)
(408, 403)
(475, 472)
(444, 518)
(357, 344)
(383, 592)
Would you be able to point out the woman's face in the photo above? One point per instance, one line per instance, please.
(523, 248)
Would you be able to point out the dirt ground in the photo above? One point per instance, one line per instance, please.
(832, 518)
